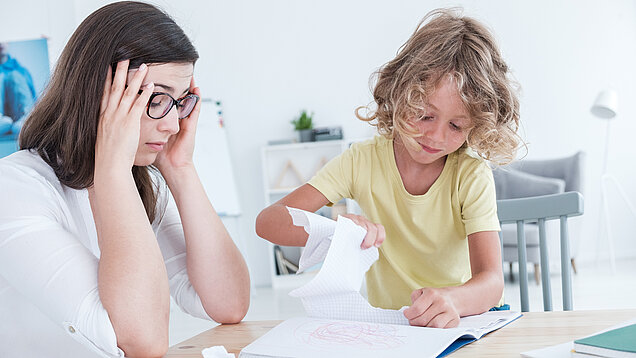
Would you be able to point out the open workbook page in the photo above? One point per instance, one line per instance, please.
(315, 337)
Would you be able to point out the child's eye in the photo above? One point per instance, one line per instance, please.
(426, 118)
(455, 127)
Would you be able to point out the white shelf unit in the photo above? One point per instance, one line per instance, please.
(285, 168)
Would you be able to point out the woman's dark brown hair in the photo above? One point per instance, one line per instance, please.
(62, 127)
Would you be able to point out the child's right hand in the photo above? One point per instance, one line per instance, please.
(120, 117)
(375, 232)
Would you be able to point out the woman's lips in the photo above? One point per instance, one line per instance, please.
(429, 149)
(156, 146)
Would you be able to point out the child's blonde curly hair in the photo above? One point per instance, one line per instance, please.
(446, 43)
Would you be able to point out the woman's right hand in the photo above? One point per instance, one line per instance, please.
(375, 232)
(120, 117)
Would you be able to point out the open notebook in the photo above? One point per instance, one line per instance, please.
(341, 322)
(315, 337)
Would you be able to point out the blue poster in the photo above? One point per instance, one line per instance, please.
(24, 71)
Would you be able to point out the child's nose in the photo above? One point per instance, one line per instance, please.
(436, 131)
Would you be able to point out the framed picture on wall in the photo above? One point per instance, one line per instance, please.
(24, 71)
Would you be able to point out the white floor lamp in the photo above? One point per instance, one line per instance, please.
(606, 107)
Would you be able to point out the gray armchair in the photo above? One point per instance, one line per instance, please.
(529, 178)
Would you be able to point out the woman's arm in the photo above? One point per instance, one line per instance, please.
(214, 264)
(442, 307)
(133, 283)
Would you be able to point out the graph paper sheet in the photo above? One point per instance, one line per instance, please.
(335, 291)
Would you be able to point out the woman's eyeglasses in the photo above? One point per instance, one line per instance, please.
(160, 104)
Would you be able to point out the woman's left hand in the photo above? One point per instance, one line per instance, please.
(432, 307)
(179, 149)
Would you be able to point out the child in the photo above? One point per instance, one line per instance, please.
(91, 249)
(445, 105)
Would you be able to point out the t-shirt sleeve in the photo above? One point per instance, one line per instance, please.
(172, 243)
(335, 179)
(478, 200)
(48, 264)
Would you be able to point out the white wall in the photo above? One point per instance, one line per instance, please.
(267, 60)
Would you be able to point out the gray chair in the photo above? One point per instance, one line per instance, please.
(529, 178)
(540, 209)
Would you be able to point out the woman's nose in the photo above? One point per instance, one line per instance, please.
(170, 123)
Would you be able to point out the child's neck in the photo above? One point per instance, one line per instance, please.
(417, 178)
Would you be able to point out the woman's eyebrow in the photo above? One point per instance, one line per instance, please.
(170, 88)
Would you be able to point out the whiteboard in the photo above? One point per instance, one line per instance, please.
(213, 162)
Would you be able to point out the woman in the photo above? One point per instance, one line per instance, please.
(91, 243)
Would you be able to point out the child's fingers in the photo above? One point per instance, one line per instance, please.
(132, 90)
(106, 94)
(444, 320)
(416, 294)
(370, 237)
(119, 83)
(419, 308)
(437, 321)
(381, 235)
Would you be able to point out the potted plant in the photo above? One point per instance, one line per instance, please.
(304, 126)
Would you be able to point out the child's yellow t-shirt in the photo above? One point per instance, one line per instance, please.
(426, 235)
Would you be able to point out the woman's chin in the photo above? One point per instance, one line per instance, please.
(146, 159)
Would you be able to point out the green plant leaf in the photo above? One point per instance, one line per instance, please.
(304, 121)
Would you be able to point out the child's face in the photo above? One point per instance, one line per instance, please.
(443, 128)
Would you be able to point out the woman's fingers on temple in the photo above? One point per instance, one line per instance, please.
(142, 100)
(119, 83)
(106, 94)
(132, 90)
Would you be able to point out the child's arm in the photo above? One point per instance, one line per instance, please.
(442, 307)
(275, 224)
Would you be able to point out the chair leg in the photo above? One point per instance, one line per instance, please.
(537, 276)
(573, 265)
(512, 276)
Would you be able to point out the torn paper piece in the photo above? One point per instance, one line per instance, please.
(318, 241)
(335, 291)
(216, 352)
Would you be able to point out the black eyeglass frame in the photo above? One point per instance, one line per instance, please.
(175, 102)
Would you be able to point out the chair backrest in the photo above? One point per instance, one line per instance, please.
(570, 169)
(539, 209)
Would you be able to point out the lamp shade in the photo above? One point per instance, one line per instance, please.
(606, 104)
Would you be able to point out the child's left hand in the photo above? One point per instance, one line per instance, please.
(432, 307)
(180, 147)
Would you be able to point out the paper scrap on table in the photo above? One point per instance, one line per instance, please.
(216, 352)
(335, 291)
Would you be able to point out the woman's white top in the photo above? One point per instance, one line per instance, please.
(49, 299)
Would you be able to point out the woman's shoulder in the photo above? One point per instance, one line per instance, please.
(26, 166)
